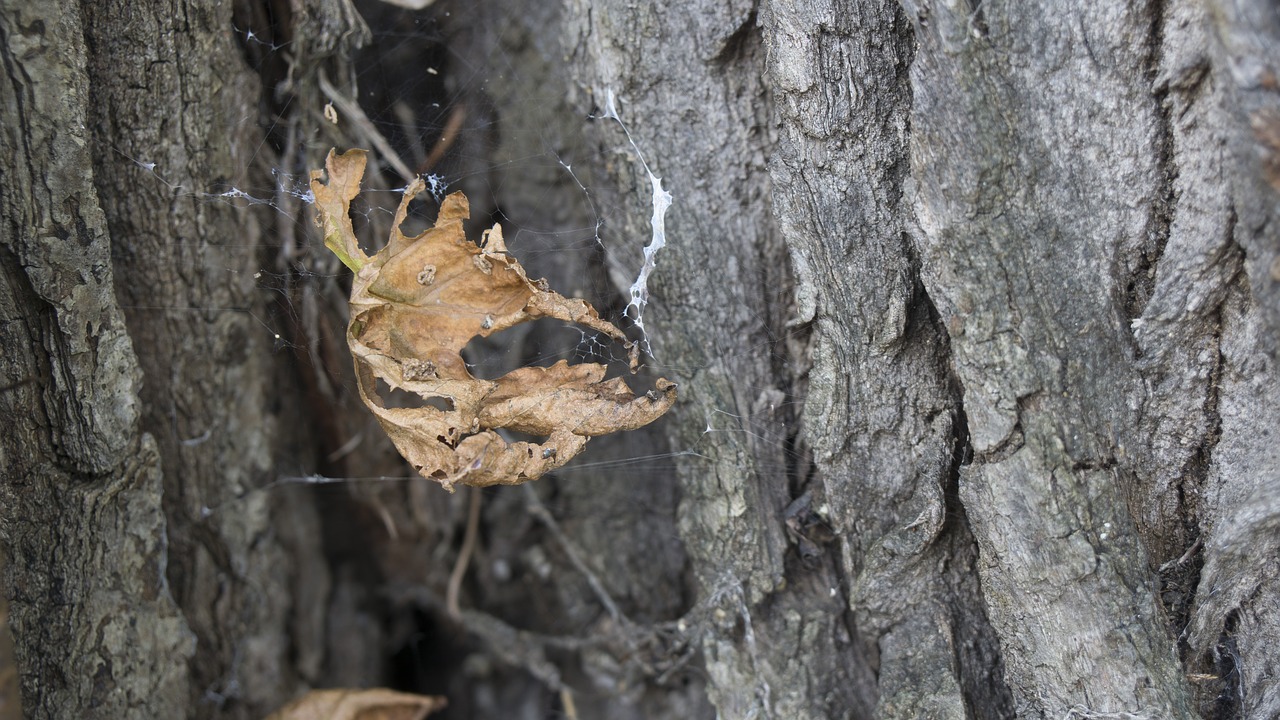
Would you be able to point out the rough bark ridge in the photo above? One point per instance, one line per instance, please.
(689, 84)
(169, 88)
(1098, 365)
(881, 411)
(1033, 130)
(117, 123)
(97, 631)
(1235, 626)
(1097, 344)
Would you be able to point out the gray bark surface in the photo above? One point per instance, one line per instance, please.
(973, 307)
(1030, 297)
(1236, 610)
(137, 369)
(97, 631)
(1035, 185)
(169, 88)
(882, 412)
(691, 89)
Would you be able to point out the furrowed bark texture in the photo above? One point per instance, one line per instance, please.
(96, 629)
(1035, 183)
(1042, 344)
(1082, 244)
(169, 88)
(973, 306)
(140, 367)
(690, 87)
(882, 412)
(1235, 626)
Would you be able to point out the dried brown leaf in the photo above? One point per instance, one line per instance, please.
(418, 302)
(375, 704)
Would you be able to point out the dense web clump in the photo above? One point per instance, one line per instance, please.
(639, 290)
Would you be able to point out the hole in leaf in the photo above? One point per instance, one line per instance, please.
(541, 343)
(397, 398)
(561, 399)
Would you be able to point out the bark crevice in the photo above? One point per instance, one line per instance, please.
(1139, 284)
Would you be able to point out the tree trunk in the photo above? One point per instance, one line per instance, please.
(138, 376)
(1041, 332)
(973, 308)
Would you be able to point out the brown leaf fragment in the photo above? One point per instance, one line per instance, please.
(375, 704)
(333, 201)
(417, 303)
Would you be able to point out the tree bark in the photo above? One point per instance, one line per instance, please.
(973, 307)
(1023, 272)
(89, 602)
(1039, 226)
(138, 377)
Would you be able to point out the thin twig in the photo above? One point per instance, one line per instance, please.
(1185, 556)
(364, 126)
(464, 555)
(677, 666)
(543, 515)
(447, 136)
(518, 648)
(566, 700)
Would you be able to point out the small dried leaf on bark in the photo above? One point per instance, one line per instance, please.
(375, 704)
(417, 303)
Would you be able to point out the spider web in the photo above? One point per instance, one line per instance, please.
(438, 94)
